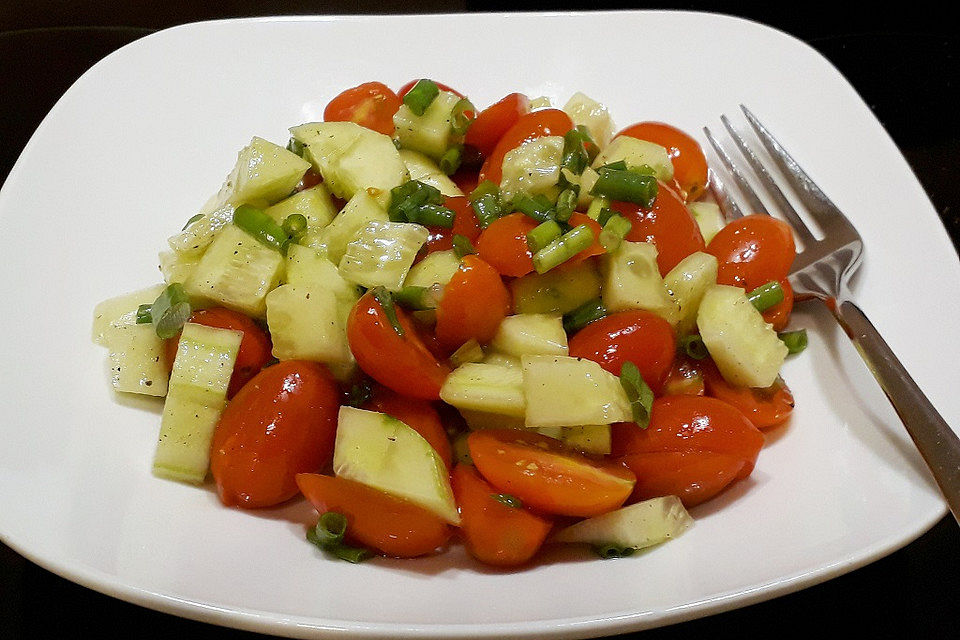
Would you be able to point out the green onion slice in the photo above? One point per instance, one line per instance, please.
(406, 199)
(766, 296)
(485, 200)
(506, 499)
(639, 394)
(421, 96)
(261, 226)
(144, 316)
(451, 159)
(615, 229)
(383, 296)
(626, 186)
(417, 298)
(609, 551)
(543, 234)
(192, 220)
(462, 116)
(170, 311)
(360, 393)
(583, 315)
(563, 248)
(462, 246)
(796, 341)
(538, 207)
(328, 535)
(566, 203)
(694, 346)
(433, 215)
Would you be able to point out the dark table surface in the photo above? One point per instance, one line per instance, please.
(904, 64)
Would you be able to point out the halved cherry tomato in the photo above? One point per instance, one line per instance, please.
(763, 407)
(494, 121)
(405, 89)
(494, 532)
(376, 519)
(473, 305)
(371, 105)
(401, 363)
(419, 415)
(464, 223)
(503, 244)
(280, 424)
(255, 347)
(718, 445)
(752, 251)
(466, 179)
(667, 224)
(311, 178)
(689, 163)
(547, 476)
(640, 337)
(685, 378)
(779, 314)
(533, 125)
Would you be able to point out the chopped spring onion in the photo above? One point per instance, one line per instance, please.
(508, 500)
(383, 296)
(462, 246)
(294, 225)
(418, 298)
(538, 207)
(588, 142)
(575, 156)
(626, 186)
(609, 551)
(615, 229)
(693, 346)
(543, 234)
(463, 115)
(639, 394)
(451, 159)
(796, 341)
(485, 200)
(170, 311)
(597, 205)
(566, 203)
(469, 351)
(144, 316)
(583, 315)
(261, 226)
(409, 197)
(619, 165)
(563, 248)
(359, 394)
(295, 146)
(766, 296)
(421, 96)
(328, 535)
(192, 219)
(433, 215)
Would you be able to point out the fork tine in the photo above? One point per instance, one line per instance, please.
(799, 226)
(731, 210)
(752, 199)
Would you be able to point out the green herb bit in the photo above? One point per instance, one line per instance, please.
(589, 144)
(619, 165)
(421, 96)
(261, 226)
(626, 186)
(295, 146)
(597, 205)
(451, 159)
(566, 203)
(563, 248)
(694, 346)
(328, 536)
(485, 200)
(575, 156)
(382, 296)
(406, 199)
(143, 314)
(639, 394)
(583, 315)
(508, 500)
(192, 219)
(433, 215)
(766, 296)
(796, 341)
(170, 311)
(543, 234)
(538, 207)
(610, 551)
(462, 116)
(615, 229)
(462, 246)
(418, 298)
(359, 394)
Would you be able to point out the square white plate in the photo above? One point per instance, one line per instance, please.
(142, 139)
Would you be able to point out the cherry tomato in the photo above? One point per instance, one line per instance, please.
(503, 244)
(763, 407)
(689, 163)
(401, 363)
(693, 448)
(371, 105)
(473, 305)
(494, 532)
(464, 224)
(255, 347)
(466, 179)
(405, 89)
(667, 224)
(419, 415)
(376, 519)
(546, 476)
(311, 178)
(685, 378)
(640, 337)
(779, 314)
(752, 251)
(280, 424)
(533, 125)
(494, 121)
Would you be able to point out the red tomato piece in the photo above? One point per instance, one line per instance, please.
(376, 519)
(503, 245)
(685, 378)
(402, 363)
(419, 415)
(533, 125)
(494, 532)
(753, 250)
(689, 163)
(473, 305)
(640, 337)
(465, 224)
(779, 314)
(255, 347)
(692, 477)
(371, 105)
(494, 121)
(667, 224)
(763, 407)
(547, 476)
(405, 89)
(280, 424)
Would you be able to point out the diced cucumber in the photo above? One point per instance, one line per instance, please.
(359, 210)
(688, 281)
(637, 153)
(314, 204)
(265, 173)
(237, 271)
(531, 334)
(196, 398)
(586, 111)
(557, 291)
(309, 268)
(636, 526)
(200, 233)
(469, 351)
(744, 347)
(177, 267)
(561, 391)
(112, 309)
(437, 267)
(502, 360)
(432, 133)
(307, 323)
(593, 438)
(382, 254)
(632, 281)
(485, 387)
(425, 170)
(477, 420)
(352, 158)
(533, 168)
(709, 218)
(386, 454)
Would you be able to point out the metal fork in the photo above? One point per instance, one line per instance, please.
(821, 271)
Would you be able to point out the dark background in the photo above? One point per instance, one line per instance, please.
(902, 59)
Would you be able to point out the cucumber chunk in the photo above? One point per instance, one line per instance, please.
(436, 268)
(687, 282)
(533, 168)
(561, 391)
(315, 204)
(556, 292)
(636, 526)
(487, 388)
(637, 153)
(425, 170)
(333, 239)
(709, 218)
(586, 111)
(632, 281)
(307, 322)
(382, 254)
(431, 133)
(531, 334)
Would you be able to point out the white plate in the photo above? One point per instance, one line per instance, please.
(139, 142)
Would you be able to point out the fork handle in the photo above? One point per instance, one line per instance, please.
(936, 441)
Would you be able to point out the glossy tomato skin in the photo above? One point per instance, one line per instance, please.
(752, 251)
(473, 305)
(494, 121)
(465, 224)
(503, 245)
(280, 424)
(255, 347)
(533, 125)
(420, 415)
(402, 363)
(371, 105)
(667, 224)
(689, 163)
(764, 408)
(640, 337)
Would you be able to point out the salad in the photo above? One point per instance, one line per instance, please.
(505, 328)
